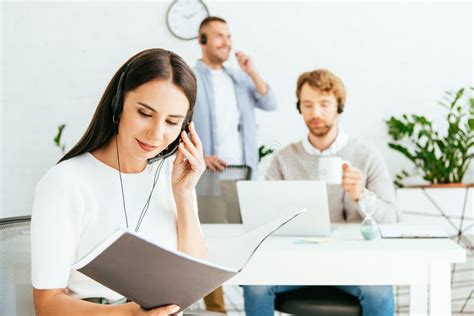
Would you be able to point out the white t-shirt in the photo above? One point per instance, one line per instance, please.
(229, 142)
(78, 204)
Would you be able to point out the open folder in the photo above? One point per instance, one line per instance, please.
(153, 276)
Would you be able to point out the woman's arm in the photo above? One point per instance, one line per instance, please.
(187, 169)
(190, 239)
(57, 302)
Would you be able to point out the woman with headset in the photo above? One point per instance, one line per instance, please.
(111, 179)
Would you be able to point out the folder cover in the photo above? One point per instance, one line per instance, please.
(153, 276)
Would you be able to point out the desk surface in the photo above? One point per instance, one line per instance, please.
(343, 258)
(347, 238)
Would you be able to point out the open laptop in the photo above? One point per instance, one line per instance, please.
(262, 201)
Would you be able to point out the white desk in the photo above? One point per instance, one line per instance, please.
(346, 259)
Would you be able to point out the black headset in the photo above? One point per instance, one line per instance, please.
(340, 108)
(117, 108)
(203, 39)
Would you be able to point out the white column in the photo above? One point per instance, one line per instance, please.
(418, 300)
(440, 289)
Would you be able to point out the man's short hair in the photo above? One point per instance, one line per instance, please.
(325, 81)
(209, 20)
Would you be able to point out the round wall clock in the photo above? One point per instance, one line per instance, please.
(184, 17)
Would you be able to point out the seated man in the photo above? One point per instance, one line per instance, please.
(366, 185)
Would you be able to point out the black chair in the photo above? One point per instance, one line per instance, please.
(318, 300)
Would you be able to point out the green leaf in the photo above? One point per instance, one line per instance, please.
(402, 150)
(57, 138)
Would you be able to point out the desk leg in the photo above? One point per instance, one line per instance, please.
(418, 300)
(440, 289)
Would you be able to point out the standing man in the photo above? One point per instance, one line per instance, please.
(226, 100)
(224, 114)
(366, 186)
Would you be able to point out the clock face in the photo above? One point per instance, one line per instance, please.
(185, 16)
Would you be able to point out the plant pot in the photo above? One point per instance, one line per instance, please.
(440, 186)
(449, 206)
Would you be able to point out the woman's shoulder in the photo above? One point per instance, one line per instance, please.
(66, 172)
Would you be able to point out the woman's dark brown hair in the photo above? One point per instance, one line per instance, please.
(148, 65)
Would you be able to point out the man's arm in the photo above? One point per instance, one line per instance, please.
(377, 197)
(260, 86)
(262, 94)
(274, 172)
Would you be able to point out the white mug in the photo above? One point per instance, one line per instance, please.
(330, 169)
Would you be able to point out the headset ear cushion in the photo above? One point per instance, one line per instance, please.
(115, 104)
(298, 106)
(340, 108)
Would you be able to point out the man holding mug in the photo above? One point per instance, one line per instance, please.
(358, 181)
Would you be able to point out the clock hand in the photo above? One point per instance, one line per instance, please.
(187, 16)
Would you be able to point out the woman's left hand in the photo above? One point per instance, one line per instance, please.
(189, 164)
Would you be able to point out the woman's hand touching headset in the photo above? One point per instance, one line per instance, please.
(189, 164)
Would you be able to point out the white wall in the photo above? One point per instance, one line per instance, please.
(58, 58)
(1, 114)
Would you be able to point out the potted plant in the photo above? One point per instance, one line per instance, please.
(441, 158)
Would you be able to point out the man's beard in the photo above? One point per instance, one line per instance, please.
(217, 59)
(320, 131)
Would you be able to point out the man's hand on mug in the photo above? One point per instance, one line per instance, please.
(214, 163)
(352, 181)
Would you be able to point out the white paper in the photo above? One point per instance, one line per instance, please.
(411, 231)
(235, 251)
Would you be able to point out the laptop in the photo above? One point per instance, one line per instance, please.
(263, 201)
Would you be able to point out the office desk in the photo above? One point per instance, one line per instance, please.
(346, 258)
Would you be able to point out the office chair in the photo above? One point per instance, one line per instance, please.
(318, 300)
(15, 277)
(217, 195)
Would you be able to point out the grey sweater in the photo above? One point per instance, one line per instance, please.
(294, 163)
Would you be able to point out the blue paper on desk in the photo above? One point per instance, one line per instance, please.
(411, 231)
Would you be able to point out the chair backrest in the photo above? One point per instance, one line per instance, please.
(217, 194)
(318, 300)
(15, 267)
